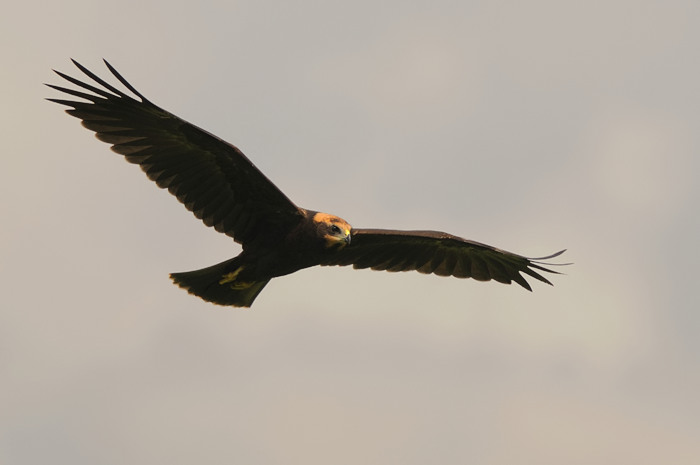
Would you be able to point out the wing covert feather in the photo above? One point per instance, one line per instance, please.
(437, 253)
(211, 177)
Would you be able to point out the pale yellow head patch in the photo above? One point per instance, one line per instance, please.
(332, 220)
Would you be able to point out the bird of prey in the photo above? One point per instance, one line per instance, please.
(222, 187)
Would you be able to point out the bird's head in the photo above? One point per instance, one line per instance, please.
(334, 231)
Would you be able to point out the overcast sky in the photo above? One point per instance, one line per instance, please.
(531, 126)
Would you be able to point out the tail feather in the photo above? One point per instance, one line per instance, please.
(211, 285)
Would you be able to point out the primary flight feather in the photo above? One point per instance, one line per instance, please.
(220, 185)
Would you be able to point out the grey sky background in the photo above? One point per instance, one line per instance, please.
(531, 126)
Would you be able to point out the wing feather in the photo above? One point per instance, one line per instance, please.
(211, 177)
(438, 253)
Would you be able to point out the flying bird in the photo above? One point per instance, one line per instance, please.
(222, 187)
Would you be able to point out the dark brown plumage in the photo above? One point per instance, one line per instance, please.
(215, 181)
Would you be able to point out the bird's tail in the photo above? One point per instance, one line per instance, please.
(218, 284)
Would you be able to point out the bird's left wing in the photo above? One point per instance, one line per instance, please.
(439, 253)
(211, 177)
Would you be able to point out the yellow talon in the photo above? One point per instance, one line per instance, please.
(242, 285)
(230, 277)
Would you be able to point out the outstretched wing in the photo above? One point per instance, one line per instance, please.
(211, 177)
(439, 253)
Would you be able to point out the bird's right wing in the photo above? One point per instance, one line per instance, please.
(439, 253)
(211, 177)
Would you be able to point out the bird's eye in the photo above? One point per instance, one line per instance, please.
(335, 229)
